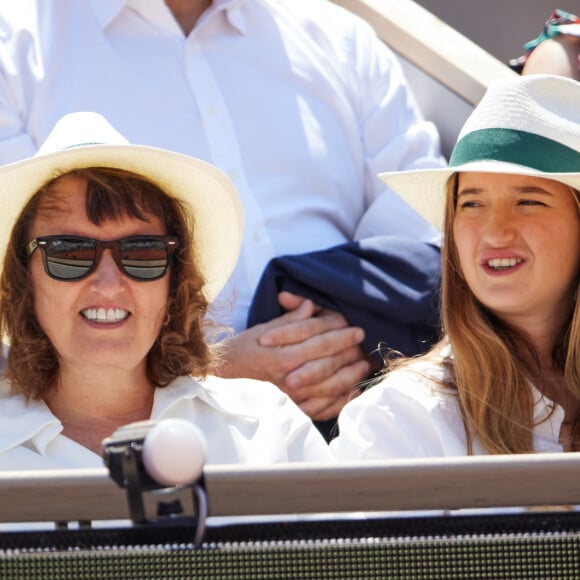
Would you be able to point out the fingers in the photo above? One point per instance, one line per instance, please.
(316, 371)
(294, 328)
(319, 400)
(340, 383)
(290, 301)
(303, 311)
(318, 358)
(242, 356)
(324, 408)
(325, 400)
(310, 353)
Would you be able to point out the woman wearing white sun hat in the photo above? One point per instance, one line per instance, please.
(111, 255)
(505, 378)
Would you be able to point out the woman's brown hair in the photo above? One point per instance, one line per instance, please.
(180, 349)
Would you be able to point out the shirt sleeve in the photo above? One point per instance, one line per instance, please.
(395, 137)
(15, 142)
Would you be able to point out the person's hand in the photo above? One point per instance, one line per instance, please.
(320, 386)
(311, 353)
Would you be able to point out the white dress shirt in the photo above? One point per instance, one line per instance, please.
(408, 415)
(243, 421)
(296, 100)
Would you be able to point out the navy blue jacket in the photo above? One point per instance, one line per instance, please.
(386, 285)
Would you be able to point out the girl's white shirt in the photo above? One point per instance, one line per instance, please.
(410, 415)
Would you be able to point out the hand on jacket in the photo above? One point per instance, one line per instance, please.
(310, 353)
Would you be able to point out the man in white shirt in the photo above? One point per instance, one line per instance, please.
(297, 101)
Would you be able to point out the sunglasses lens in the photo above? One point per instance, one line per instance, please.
(144, 258)
(69, 258)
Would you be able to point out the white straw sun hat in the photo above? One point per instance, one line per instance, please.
(87, 140)
(529, 125)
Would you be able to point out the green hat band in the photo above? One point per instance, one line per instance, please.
(519, 147)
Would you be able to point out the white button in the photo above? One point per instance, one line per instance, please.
(213, 111)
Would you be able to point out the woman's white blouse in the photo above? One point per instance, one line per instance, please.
(244, 421)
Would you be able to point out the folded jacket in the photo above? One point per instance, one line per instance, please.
(387, 285)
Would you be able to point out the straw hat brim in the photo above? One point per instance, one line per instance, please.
(212, 199)
(425, 189)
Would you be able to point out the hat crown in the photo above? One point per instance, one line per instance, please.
(81, 129)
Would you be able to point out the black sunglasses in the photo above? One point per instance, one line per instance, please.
(69, 258)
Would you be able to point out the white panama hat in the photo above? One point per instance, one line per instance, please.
(88, 140)
(528, 125)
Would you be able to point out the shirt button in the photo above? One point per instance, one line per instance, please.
(213, 111)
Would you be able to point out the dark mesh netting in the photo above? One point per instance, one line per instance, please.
(518, 546)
